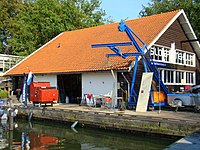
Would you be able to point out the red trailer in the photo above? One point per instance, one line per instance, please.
(43, 93)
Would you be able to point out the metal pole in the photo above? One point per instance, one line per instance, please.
(128, 85)
(159, 91)
(10, 139)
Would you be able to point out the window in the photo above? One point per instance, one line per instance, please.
(168, 76)
(165, 54)
(177, 77)
(179, 57)
(189, 77)
(160, 53)
(189, 59)
(156, 53)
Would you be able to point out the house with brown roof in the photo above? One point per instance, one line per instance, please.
(70, 64)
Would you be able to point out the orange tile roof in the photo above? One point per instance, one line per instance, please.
(76, 55)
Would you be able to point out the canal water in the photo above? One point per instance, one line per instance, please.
(37, 135)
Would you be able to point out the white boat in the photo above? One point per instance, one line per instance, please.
(4, 113)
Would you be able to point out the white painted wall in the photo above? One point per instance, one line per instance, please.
(47, 78)
(96, 83)
(99, 83)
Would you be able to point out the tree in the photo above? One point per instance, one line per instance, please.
(191, 8)
(8, 10)
(41, 20)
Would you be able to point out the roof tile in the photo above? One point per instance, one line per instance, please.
(72, 52)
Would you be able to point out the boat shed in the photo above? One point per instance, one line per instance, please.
(70, 64)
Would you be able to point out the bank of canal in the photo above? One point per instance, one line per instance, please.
(166, 123)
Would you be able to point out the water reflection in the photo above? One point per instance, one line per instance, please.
(50, 135)
(42, 141)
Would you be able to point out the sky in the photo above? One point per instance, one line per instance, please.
(123, 9)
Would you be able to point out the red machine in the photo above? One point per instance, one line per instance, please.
(42, 93)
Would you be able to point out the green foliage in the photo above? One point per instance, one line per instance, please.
(8, 9)
(191, 8)
(1, 46)
(35, 22)
(3, 94)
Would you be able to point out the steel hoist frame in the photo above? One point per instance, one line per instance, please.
(141, 53)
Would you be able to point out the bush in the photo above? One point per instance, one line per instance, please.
(3, 94)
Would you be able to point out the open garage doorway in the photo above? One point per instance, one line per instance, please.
(69, 86)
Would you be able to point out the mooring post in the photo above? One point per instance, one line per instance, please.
(10, 139)
(10, 120)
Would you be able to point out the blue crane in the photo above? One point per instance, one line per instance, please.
(143, 53)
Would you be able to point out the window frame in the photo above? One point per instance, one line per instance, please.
(177, 77)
